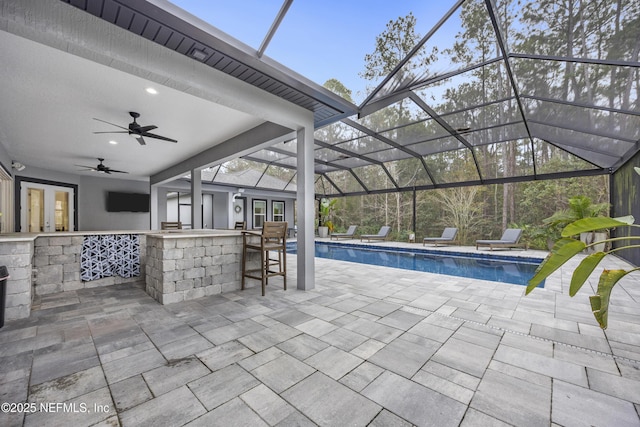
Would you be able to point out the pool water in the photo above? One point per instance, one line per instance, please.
(496, 268)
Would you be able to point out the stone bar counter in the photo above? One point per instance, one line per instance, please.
(46, 263)
(173, 265)
(188, 264)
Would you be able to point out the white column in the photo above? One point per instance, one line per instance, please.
(161, 205)
(154, 222)
(305, 193)
(196, 199)
(230, 214)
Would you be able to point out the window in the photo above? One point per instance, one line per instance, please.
(277, 210)
(259, 213)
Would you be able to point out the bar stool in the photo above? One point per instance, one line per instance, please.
(272, 239)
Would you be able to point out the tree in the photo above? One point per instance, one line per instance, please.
(462, 207)
(336, 86)
(392, 45)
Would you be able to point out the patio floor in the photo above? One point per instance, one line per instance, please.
(368, 346)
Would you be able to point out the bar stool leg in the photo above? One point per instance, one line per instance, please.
(244, 260)
(265, 269)
(284, 262)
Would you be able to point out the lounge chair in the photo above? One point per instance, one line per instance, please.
(348, 235)
(448, 237)
(510, 239)
(382, 234)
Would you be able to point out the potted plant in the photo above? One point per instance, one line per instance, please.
(581, 207)
(325, 223)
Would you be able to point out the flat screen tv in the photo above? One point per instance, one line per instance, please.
(127, 202)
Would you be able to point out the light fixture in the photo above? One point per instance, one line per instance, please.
(112, 142)
(151, 90)
(18, 166)
(198, 54)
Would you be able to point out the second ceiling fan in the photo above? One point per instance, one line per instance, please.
(139, 132)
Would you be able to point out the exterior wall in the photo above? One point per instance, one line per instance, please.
(92, 196)
(185, 268)
(220, 211)
(17, 256)
(92, 205)
(208, 216)
(625, 200)
(56, 263)
(288, 208)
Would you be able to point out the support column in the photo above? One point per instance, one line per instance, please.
(230, 222)
(305, 219)
(161, 205)
(154, 205)
(196, 199)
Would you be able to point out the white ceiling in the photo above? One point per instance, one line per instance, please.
(49, 99)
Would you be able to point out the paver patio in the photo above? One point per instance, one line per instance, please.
(368, 346)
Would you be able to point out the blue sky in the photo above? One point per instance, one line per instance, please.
(318, 39)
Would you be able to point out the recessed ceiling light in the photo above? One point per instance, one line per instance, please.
(151, 90)
(112, 142)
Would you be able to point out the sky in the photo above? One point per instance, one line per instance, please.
(320, 39)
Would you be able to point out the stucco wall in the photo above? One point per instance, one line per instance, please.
(92, 193)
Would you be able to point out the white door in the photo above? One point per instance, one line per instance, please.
(45, 208)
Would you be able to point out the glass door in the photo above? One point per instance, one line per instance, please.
(45, 208)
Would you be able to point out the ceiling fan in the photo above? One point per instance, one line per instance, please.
(136, 130)
(100, 168)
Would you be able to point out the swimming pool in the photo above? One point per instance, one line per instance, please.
(496, 268)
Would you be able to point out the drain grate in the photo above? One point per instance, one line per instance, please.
(422, 311)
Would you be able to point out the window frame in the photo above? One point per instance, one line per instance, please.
(273, 211)
(254, 202)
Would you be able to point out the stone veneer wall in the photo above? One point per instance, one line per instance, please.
(186, 268)
(16, 255)
(56, 263)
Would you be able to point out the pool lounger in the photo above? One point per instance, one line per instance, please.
(448, 237)
(510, 239)
(348, 235)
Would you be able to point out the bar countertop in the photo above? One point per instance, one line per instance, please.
(164, 234)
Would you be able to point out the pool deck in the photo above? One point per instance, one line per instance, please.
(369, 345)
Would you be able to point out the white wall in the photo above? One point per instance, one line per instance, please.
(92, 208)
(92, 197)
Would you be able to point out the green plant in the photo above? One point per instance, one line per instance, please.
(540, 236)
(579, 207)
(326, 206)
(567, 247)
